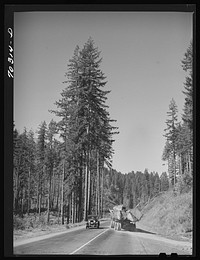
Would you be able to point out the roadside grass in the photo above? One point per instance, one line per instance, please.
(29, 222)
(169, 215)
(33, 225)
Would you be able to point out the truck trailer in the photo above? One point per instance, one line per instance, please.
(122, 218)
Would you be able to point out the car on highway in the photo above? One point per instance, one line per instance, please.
(92, 222)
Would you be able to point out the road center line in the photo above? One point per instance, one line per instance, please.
(88, 242)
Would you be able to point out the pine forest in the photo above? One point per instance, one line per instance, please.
(65, 167)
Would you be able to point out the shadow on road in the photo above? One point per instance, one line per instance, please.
(98, 228)
(131, 229)
(143, 231)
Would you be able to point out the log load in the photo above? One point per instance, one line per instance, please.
(124, 218)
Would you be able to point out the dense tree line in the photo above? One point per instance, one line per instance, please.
(134, 188)
(178, 150)
(40, 183)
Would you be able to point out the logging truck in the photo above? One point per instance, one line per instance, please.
(122, 218)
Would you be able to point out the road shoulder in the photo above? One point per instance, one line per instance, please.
(184, 243)
(36, 235)
(46, 234)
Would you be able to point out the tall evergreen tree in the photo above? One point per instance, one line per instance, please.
(41, 157)
(50, 161)
(85, 123)
(171, 136)
(16, 167)
(187, 64)
(31, 168)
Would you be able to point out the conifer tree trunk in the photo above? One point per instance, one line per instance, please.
(70, 208)
(89, 185)
(29, 180)
(91, 193)
(75, 208)
(96, 198)
(99, 199)
(62, 193)
(180, 165)
(80, 196)
(58, 199)
(77, 212)
(174, 160)
(14, 195)
(72, 201)
(74, 205)
(86, 189)
(189, 163)
(53, 191)
(39, 204)
(48, 205)
(102, 187)
(97, 187)
(16, 199)
(39, 195)
(40, 190)
(171, 170)
(23, 198)
(49, 199)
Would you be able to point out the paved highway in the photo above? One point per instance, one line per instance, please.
(103, 241)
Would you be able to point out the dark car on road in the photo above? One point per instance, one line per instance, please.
(93, 221)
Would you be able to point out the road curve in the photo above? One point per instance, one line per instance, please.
(103, 241)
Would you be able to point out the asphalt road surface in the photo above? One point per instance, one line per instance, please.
(102, 241)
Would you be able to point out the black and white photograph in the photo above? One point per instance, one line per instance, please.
(103, 131)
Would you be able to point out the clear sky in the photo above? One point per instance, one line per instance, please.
(142, 55)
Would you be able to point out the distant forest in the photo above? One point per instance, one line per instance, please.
(72, 175)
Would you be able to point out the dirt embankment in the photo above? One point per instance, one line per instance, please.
(170, 216)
